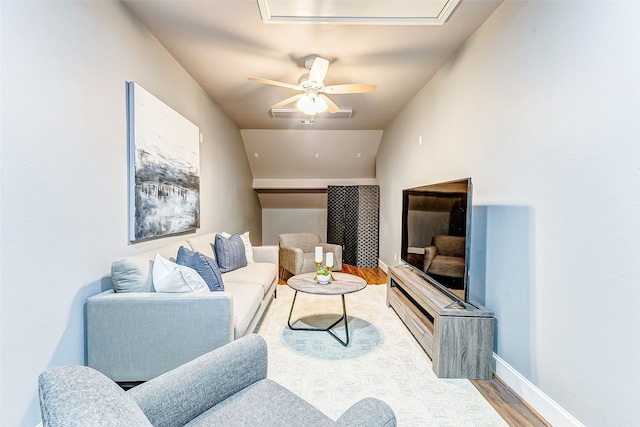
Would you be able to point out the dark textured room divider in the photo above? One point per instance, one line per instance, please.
(352, 222)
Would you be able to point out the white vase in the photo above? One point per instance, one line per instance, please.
(324, 279)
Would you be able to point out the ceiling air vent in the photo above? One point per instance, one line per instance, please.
(294, 113)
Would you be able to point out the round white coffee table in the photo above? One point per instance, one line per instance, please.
(342, 284)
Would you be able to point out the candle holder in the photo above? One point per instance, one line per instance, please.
(318, 265)
(330, 268)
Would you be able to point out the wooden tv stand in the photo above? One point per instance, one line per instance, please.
(459, 340)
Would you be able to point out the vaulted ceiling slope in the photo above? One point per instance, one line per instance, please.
(223, 43)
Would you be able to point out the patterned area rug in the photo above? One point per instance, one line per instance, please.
(383, 360)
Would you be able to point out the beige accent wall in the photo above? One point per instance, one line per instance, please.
(277, 221)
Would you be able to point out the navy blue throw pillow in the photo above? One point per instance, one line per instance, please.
(204, 265)
(230, 253)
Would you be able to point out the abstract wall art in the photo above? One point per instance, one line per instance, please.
(164, 168)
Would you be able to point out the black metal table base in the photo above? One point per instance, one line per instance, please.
(328, 329)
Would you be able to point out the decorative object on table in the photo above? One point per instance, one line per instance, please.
(329, 264)
(317, 259)
(323, 274)
(164, 168)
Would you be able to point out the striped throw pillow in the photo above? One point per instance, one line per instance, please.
(230, 254)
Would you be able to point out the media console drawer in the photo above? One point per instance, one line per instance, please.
(458, 339)
(420, 330)
(395, 302)
(419, 326)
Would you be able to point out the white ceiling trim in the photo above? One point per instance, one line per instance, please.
(390, 12)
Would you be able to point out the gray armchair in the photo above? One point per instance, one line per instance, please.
(297, 252)
(225, 387)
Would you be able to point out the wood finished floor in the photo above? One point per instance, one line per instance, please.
(511, 408)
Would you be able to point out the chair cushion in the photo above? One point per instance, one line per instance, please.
(258, 273)
(78, 396)
(230, 252)
(246, 301)
(204, 265)
(266, 404)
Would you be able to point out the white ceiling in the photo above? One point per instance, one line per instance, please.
(221, 43)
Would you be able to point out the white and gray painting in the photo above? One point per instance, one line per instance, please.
(165, 178)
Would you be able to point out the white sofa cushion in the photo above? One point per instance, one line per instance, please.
(246, 301)
(258, 273)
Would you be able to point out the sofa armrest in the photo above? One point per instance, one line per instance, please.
(267, 253)
(78, 396)
(179, 396)
(368, 412)
(291, 259)
(337, 254)
(430, 253)
(134, 337)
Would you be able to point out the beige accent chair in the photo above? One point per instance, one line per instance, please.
(297, 252)
(445, 256)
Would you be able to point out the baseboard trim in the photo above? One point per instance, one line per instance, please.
(553, 413)
(384, 267)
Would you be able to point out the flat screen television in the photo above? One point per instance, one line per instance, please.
(436, 225)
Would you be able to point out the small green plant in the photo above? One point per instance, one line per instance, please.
(323, 271)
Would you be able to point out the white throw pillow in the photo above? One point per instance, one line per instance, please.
(248, 250)
(171, 277)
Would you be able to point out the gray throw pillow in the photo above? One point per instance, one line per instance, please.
(204, 265)
(230, 253)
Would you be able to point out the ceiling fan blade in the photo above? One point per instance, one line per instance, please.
(275, 83)
(287, 101)
(318, 70)
(333, 108)
(349, 88)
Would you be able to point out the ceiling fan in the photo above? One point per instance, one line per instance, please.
(313, 98)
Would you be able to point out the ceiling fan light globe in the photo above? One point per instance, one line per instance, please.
(306, 105)
(310, 112)
(321, 105)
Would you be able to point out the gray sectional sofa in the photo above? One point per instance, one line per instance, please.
(136, 334)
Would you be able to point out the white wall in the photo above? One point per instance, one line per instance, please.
(277, 221)
(542, 109)
(64, 175)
